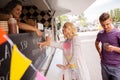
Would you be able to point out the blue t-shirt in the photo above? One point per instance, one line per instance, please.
(113, 38)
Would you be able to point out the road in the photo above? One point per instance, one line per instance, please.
(90, 54)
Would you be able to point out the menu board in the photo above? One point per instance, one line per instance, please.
(27, 44)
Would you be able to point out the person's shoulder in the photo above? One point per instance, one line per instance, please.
(76, 37)
(116, 30)
(77, 40)
(101, 32)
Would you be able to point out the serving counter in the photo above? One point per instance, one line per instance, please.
(27, 44)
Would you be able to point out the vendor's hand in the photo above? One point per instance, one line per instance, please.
(38, 32)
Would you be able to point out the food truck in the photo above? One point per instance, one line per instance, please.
(43, 14)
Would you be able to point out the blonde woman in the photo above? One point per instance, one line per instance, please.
(74, 64)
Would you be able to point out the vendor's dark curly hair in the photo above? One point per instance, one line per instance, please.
(10, 5)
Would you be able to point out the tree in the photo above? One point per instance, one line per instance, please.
(62, 19)
(115, 15)
(82, 19)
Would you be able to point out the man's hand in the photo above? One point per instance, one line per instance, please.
(109, 48)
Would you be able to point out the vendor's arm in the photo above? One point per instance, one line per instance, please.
(24, 26)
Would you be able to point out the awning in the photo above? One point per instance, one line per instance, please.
(69, 6)
(59, 6)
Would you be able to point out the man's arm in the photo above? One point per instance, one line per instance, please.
(113, 48)
(98, 48)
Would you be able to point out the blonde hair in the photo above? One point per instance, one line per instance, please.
(73, 31)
